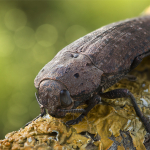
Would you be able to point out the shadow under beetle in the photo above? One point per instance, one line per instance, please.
(81, 71)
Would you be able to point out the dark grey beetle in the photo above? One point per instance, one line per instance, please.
(81, 71)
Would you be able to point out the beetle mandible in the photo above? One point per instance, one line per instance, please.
(81, 71)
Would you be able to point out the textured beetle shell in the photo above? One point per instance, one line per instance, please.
(78, 74)
(108, 50)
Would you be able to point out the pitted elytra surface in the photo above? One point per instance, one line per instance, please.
(113, 48)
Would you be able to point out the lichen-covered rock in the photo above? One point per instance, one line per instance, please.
(112, 125)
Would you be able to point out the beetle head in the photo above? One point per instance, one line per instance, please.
(53, 96)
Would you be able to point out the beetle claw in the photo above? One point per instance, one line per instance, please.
(75, 121)
(71, 122)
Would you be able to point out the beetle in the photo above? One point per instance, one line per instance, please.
(83, 70)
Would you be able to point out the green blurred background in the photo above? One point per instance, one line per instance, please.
(32, 32)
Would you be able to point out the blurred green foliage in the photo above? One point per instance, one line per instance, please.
(32, 32)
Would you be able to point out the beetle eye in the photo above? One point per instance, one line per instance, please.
(65, 98)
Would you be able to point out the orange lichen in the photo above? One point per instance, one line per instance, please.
(120, 148)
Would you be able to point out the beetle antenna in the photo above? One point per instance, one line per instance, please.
(72, 110)
(40, 115)
(38, 101)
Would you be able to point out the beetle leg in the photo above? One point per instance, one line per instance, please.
(119, 93)
(130, 77)
(92, 102)
(138, 60)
